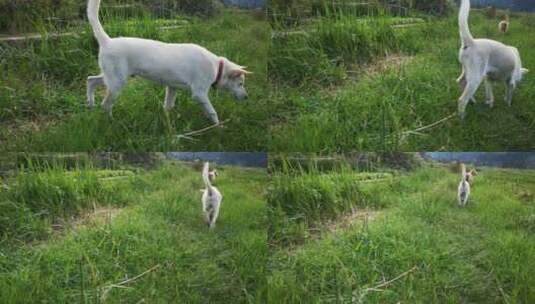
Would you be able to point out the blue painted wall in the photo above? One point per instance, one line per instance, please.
(246, 3)
(514, 5)
(245, 159)
(521, 160)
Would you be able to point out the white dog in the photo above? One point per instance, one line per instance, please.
(174, 65)
(463, 192)
(211, 198)
(485, 60)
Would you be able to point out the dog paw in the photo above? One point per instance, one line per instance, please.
(168, 107)
(489, 102)
(214, 119)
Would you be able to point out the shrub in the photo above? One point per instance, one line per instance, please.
(22, 15)
(322, 54)
(36, 198)
(347, 7)
(167, 8)
(434, 7)
(287, 12)
(293, 61)
(313, 196)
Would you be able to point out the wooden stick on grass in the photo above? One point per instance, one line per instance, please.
(379, 287)
(418, 131)
(189, 135)
(122, 283)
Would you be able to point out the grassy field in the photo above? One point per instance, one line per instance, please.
(403, 238)
(341, 82)
(43, 83)
(131, 235)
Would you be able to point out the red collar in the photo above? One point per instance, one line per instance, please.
(219, 73)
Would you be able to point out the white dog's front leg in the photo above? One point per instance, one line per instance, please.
(92, 83)
(209, 110)
(170, 97)
(509, 93)
(488, 93)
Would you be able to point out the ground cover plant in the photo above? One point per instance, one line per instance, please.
(342, 82)
(43, 84)
(404, 239)
(131, 234)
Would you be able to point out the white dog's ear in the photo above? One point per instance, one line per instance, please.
(239, 72)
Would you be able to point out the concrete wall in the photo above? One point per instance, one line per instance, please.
(520, 160)
(514, 5)
(246, 3)
(245, 159)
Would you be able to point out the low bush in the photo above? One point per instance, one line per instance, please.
(36, 198)
(324, 52)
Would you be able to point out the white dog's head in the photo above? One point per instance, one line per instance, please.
(234, 80)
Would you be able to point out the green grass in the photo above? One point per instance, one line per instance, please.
(42, 95)
(332, 95)
(314, 195)
(157, 223)
(483, 253)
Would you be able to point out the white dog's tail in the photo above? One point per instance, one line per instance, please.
(92, 15)
(466, 36)
(519, 70)
(463, 171)
(206, 177)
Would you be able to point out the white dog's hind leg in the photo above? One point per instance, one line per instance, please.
(114, 85)
(107, 103)
(461, 80)
(207, 217)
(202, 99)
(488, 93)
(170, 96)
(92, 83)
(215, 214)
(469, 91)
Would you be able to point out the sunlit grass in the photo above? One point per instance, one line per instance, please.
(441, 253)
(344, 83)
(43, 90)
(82, 230)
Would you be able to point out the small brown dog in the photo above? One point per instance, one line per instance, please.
(470, 176)
(503, 26)
(463, 191)
(212, 175)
